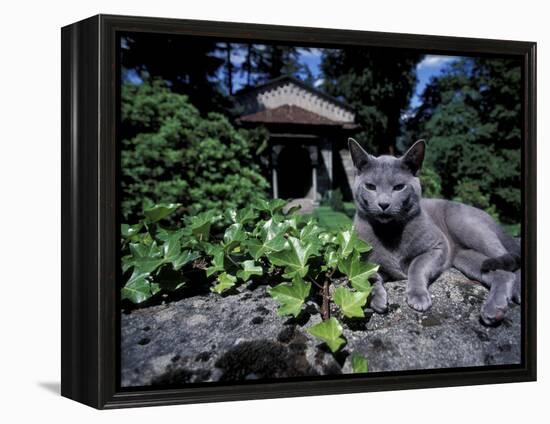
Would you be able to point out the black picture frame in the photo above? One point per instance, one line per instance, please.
(90, 247)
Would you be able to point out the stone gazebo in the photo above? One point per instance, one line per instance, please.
(308, 133)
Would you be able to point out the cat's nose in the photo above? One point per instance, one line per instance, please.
(383, 205)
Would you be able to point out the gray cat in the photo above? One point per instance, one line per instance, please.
(417, 239)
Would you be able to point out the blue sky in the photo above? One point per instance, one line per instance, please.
(431, 66)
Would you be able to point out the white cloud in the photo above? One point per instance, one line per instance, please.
(435, 61)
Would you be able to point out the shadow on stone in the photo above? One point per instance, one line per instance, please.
(263, 359)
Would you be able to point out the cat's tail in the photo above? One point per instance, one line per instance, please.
(507, 262)
(510, 261)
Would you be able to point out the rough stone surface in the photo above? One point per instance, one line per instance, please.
(239, 336)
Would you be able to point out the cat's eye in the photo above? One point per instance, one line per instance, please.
(398, 187)
(371, 187)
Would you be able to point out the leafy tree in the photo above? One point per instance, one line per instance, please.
(378, 84)
(471, 117)
(172, 154)
(430, 181)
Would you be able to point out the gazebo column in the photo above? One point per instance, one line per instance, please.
(314, 156)
(275, 151)
(326, 153)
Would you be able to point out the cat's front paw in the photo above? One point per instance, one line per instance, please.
(419, 300)
(492, 314)
(494, 309)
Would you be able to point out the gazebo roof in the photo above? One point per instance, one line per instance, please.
(287, 100)
(288, 114)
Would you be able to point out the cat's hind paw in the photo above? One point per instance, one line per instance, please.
(419, 300)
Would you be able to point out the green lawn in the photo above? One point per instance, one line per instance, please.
(331, 219)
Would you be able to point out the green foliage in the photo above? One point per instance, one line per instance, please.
(359, 363)
(358, 271)
(291, 297)
(295, 259)
(170, 153)
(431, 182)
(329, 331)
(224, 282)
(471, 118)
(348, 242)
(249, 269)
(468, 191)
(158, 212)
(334, 199)
(290, 253)
(138, 288)
(350, 302)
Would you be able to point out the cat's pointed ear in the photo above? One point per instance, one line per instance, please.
(414, 157)
(359, 156)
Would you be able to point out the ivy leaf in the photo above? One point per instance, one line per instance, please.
(164, 234)
(351, 303)
(272, 228)
(138, 289)
(183, 259)
(270, 206)
(148, 264)
(218, 256)
(310, 230)
(171, 247)
(292, 222)
(233, 236)
(349, 242)
(359, 363)
(145, 250)
(127, 263)
(272, 239)
(327, 238)
(242, 216)
(249, 268)
(146, 257)
(160, 211)
(258, 248)
(329, 331)
(225, 282)
(358, 271)
(200, 224)
(129, 231)
(293, 259)
(331, 259)
(290, 296)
